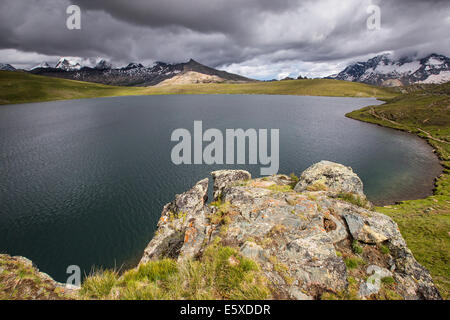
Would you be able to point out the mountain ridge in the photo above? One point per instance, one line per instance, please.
(134, 74)
(386, 71)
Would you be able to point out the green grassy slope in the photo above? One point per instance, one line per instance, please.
(20, 87)
(425, 223)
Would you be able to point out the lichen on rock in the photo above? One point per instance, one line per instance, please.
(332, 177)
(20, 279)
(300, 237)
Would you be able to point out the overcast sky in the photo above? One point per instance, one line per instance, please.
(262, 39)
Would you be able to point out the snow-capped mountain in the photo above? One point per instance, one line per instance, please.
(383, 70)
(67, 65)
(134, 74)
(103, 65)
(43, 65)
(6, 67)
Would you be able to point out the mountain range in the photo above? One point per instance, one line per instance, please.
(135, 74)
(384, 70)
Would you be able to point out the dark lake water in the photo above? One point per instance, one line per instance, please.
(83, 182)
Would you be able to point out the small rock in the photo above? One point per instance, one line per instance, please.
(298, 295)
(222, 178)
(253, 251)
(373, 283)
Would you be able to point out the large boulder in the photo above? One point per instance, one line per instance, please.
(300, 240)
(332, 177)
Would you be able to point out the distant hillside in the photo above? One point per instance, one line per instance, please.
(22, 87)
(134, 74)
(383, 70)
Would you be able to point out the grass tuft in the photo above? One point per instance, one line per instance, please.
(353, 199)
(353, 262)
(221, 273)
(356, 247)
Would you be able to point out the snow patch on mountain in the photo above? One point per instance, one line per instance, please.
(6, 67)
(68, 65)
(103, 65)
(44, 65)
(133, 74)
(383, 70)
(442, 77)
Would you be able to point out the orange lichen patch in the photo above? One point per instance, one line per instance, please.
(308, 204)
(233, 213)
(189, 235)
(261, 183)
(302, 198)
(273, 202)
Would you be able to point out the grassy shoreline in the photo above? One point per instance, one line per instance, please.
(424, 223)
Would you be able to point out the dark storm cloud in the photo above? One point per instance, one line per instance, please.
(261, 38)
(201, 15)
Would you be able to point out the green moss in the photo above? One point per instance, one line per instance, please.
(353, 262)
(172, 216)
(277, 188)
(384, 249)
(294, 180)
(356, 247)
(388, 280)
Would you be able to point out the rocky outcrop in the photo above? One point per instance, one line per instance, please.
(182, 226)
(20, 279)
(332, 177)
(307, 242)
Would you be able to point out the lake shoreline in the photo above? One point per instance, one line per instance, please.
(434, 151)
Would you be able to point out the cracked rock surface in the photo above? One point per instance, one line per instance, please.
(303, 239)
